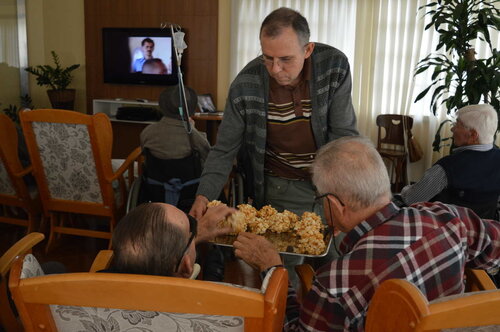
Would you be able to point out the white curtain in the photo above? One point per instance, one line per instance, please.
(9, 50)
(247, 15)
(389, 43)
(383, 39)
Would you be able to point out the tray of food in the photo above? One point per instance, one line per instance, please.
(291, 235)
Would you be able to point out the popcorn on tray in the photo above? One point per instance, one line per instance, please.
(249, 211)
(266, 212)
(213, 203)
(309, 224)
(282, 221)
(305, 232)
(312, 245)
(237, 221)
(258, 225)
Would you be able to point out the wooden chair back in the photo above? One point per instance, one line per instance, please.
(393, 129)
(14, 193)
(391, 144)
(8, 319)
(398, 305)
(71, 157)
(151, 300)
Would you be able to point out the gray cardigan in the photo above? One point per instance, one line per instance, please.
(245, 117)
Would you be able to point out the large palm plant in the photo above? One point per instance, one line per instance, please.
(458, 78)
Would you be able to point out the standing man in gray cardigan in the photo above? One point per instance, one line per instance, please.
(281, 108)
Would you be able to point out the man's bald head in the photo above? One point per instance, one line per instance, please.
(150, 239)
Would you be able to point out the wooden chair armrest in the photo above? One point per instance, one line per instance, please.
(24, 172)
(129, 162)
(20, 247)
(478, 280)
(306, 273)
(102, 260)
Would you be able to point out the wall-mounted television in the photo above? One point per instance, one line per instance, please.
(139, 56)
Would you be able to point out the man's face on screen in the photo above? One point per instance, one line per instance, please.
(147, 50)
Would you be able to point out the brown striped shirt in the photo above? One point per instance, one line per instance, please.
(290, 146)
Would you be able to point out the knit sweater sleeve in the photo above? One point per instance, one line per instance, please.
(341, 116)
(220, 160)
(333, 115)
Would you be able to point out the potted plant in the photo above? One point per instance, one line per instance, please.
(58, 79)
(458, 78)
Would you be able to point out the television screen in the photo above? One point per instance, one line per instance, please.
(139, 56)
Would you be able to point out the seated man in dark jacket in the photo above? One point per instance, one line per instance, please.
(470, 175)
(168, 138)
(174, 152)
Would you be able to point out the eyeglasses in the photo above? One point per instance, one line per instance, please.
(193, 226)
(282, 62)
(331, 228)
(318, 198)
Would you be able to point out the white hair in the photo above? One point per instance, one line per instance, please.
(351, 168)
(482, 118)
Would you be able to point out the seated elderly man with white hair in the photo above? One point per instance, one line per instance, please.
(428, 244)
(470, 175)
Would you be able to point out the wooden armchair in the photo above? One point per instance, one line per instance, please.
(394, 301)
(7, 317)
(475, 280)
(398, 305)
(102, 261)
(77, 301)
(71, 158)
(18, 206)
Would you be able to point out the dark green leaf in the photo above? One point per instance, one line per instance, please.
(422, 94)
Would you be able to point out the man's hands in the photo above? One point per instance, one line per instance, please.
(256, 250)
(199, 206)
(253, 249)
(207, 224)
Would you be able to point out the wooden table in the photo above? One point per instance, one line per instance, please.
(208, 122)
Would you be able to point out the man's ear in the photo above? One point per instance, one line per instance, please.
(474, 136)
(309, 49)
(334, 202)
(186, 267)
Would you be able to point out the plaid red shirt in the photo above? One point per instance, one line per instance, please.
(428, 244)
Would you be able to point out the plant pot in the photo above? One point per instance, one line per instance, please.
(62, 99)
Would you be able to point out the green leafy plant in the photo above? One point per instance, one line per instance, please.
(57, 78)
(12, 111)
(458, 78)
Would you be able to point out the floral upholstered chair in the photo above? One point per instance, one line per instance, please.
(19, 204)
(124, 302)
(71, 157)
